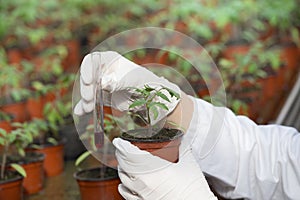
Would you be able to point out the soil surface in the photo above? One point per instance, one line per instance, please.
(163, 135)
(63, 186)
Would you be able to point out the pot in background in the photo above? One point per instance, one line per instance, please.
(54, 158)
(12, 189)
(99, 183)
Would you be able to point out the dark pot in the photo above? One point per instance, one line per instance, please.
(73, 146)
(165, 144)
(98, 184)
(12, 188)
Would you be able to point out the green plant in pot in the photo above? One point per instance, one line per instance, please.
(96, 180)
(96, 183)
(163, 142)
(246, 76)
(57, 118)
(10, 181)
(49, 141)
(13, 90)
(5, 121)
(15, 146)
(62, 128)
(32, 162)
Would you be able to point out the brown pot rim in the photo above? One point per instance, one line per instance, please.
(77, 176)
(16, 177)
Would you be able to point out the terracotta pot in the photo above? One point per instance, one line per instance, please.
(276, 86)
(49, 97)
(235, 49)
(14, 56)
(34, 181)
(290, 58)
(5, 125)
(12, 189)
(167, 148)
(71, 61)
(149, 57)
(34, 107)
(93, 187)
(17, 110)
(54, 159)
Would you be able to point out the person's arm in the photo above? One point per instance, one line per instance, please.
(242, 159)
(182, 114)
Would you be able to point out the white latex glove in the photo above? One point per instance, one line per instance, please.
(118, 74)
(149, 177)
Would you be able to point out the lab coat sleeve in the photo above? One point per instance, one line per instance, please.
(242, 159)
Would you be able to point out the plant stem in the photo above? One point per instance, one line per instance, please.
(3, 162)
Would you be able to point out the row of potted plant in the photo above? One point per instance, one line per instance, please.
(217, 25)
(21, 141)
(18, 147)
(255, 45)
(35, 108)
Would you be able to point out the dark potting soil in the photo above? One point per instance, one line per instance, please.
(97, 174)
(30, 157)
(10, 176)
(163, 135)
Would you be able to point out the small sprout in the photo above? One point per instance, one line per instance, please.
(148, 99)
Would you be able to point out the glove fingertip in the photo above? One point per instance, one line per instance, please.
(86, 69)
(119, 143)
(88, 106)
(78, 110)
(86, 91)
(122, 190)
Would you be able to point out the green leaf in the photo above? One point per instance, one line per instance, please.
(17, 124)
(172, 93)
(47, 108)
(82, 157)
(137, 103)
(163, 96)
(3, 132)
(21, 152)
(148, 88)
(11, 137)
(35, 146)
(2, 141)
(154, 111)
(37, 85)
(52, 141)
(19, 169)
(161, 105)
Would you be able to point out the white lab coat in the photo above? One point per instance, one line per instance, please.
(242, 159)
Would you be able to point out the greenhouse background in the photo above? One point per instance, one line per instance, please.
(254, 43)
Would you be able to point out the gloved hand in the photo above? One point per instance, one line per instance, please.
(118, 74)
(149, 177)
